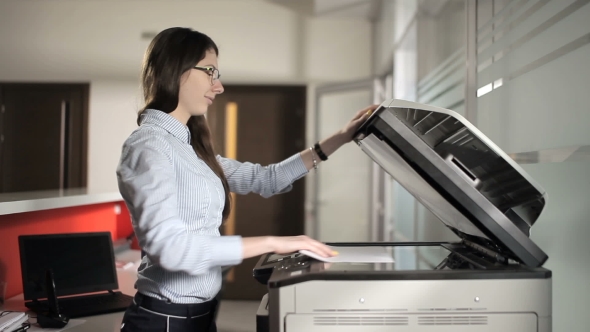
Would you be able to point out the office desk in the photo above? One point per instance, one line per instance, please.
(98, 323)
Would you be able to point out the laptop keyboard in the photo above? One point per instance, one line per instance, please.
(88, 305)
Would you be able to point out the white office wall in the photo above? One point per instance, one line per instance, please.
(98, 41)
(114, 106)
(405, 14)
(337, 50)
(384, 40)
(405, 66)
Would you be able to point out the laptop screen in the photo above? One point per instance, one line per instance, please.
(81, 263)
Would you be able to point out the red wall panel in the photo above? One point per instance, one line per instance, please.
(90, 218)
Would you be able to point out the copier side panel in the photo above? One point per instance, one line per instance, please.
(425, 296)
(386, 322)
(492, 295)
(281, 302)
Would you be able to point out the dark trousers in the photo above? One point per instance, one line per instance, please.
(147, 314)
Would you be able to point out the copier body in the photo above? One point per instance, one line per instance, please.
(490, 280)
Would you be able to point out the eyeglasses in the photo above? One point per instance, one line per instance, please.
(211, 71)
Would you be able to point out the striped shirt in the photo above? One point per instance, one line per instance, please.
(176, 203)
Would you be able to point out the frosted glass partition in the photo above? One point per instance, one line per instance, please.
(525, 66)
(441, 56)
(399, 213)
(445, 86)
(562, 231)
(533, 75)
(429, 68)
(533, 78)
(344, 180)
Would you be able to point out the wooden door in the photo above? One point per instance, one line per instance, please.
(270, 128)
(44, 136)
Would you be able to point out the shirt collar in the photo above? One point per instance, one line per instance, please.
(167, 122)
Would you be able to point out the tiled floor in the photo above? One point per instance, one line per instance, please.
(237, 316)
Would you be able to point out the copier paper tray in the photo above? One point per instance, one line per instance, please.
(461, 176)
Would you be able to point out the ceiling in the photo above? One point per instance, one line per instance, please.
(363, 9)
(67, 40)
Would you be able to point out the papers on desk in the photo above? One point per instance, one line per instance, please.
(355, 255)
(10, 321)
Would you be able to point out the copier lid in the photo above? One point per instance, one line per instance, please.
(461, 176)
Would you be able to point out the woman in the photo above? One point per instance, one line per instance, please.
(178, 190)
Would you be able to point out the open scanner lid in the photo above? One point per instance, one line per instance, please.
(461, 176)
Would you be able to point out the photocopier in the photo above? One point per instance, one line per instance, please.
(491, 279)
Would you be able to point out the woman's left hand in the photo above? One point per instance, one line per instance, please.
(338, 139)
(358, 119)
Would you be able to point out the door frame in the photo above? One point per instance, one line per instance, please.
(381, 88)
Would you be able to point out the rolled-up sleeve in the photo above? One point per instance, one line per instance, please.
(244, 178)
(146, 179)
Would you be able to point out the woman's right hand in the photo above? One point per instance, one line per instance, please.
(289, 244)
(254, 246)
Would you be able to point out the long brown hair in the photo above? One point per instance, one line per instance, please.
(170, 54)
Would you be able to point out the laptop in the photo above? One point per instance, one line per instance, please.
(83, 266)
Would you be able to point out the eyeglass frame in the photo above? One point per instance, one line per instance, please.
(210, 70)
